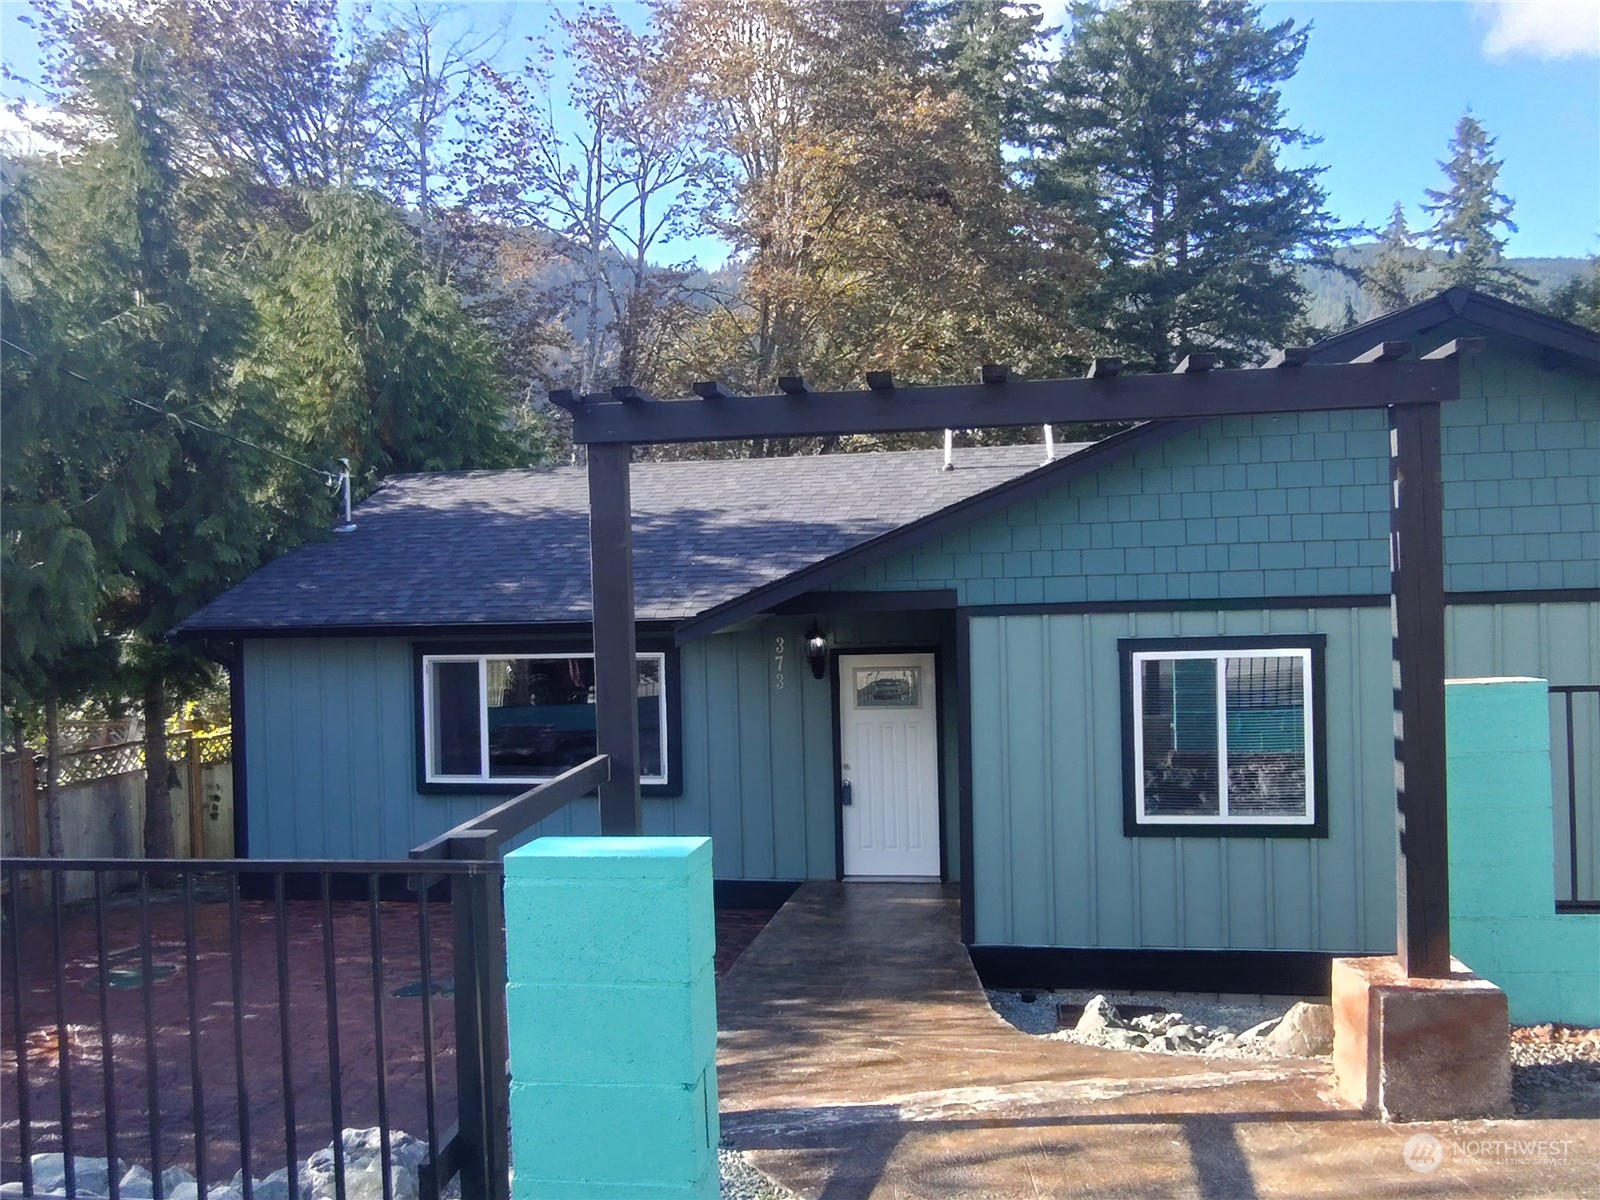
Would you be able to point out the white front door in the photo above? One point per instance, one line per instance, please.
(889, 765)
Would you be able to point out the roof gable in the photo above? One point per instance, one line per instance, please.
(1515, 323)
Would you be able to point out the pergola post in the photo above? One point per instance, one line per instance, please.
(616, 678)
(1416, 607)
(1384, 377)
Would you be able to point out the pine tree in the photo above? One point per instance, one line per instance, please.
(1390, 279)
(991, 51)
(1162, 124)
(369, 356)
(134, 335)
(1578, 299)
(1468, 215)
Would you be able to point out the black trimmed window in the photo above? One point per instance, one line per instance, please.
(493, 719)
(1224, 736)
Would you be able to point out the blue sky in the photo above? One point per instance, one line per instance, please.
(1383, 84)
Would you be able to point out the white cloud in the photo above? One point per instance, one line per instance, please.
(26, 133)
(1541, 28)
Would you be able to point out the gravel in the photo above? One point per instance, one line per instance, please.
(1555, 1069)
(1555, 1066)
(741, 1181)
(1237, 1013)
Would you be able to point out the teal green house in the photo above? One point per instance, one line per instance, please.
(1133, 699)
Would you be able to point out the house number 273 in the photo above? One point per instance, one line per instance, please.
(777, 664)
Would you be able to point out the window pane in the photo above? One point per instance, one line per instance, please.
(651, 686)
(1266, 736)
(541, 716)
(888, 687)
(455, 718)
(1178, 703)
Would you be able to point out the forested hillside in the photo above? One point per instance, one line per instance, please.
(260, 253)
(1333, 296)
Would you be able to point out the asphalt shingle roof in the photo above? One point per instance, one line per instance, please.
(511, 547)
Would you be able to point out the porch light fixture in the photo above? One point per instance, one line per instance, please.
(817, 650)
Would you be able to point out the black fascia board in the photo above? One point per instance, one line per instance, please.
(907, 600)
(1514, 322)
(444, 629)
(956, 516)
(1324, 387)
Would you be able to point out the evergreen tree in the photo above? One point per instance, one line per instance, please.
(124, 407)
(991, 52)
(1391, 278)
(1469, 215)
(1578, 299)
(1162, 124)
(369, 356)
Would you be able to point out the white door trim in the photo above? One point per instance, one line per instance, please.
(889, 759)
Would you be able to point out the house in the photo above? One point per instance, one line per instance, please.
(1135, 700)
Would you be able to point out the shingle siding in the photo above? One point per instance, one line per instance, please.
(1298, 506)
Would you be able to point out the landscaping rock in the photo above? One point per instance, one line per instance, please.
(1305, 1031)
(184, 1191)
(273, 1187)
(91, 1176)
(363, 1167)
(1124, 1039)
(1099, 1015)
(137, 1184)
(173, 1178)
(1256, 1032)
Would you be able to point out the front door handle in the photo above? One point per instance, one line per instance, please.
(845, 798)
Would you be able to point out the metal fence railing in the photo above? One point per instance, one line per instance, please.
(479, 1148)
(230, 1019)
(233, 1019)
(1575, 754)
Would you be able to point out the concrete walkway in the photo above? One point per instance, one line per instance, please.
(858, 1057)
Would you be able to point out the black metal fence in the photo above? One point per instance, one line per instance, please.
(231, 1018)
(1575, 748)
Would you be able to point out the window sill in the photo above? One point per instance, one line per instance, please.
(1239, 830)
(670, 789)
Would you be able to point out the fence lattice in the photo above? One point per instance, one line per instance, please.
(126, 758)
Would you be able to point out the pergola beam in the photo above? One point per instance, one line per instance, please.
(601, 419)
(1384, 377)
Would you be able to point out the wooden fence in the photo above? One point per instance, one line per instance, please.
(101, 796)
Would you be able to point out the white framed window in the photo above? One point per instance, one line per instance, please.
(525, 718)
(1223, 735)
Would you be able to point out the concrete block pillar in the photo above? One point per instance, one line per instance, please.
(612, 1018)
(1503, 917)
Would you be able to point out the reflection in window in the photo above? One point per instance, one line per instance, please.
(525, 718)
(1223, 736)
(888, 687)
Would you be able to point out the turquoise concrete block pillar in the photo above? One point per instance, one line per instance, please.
(1503, 919)
(612, 1015)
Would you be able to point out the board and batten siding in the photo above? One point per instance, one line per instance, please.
(332, 770)
(1051, 864)
(760, 758)
(330, 753)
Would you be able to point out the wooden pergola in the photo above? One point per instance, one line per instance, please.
(1411, 389)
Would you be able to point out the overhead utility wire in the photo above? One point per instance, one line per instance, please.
(331, 478)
